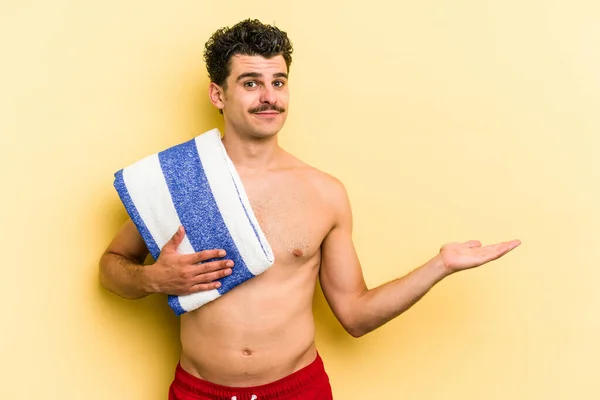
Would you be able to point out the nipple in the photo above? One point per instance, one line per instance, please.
(297, 252)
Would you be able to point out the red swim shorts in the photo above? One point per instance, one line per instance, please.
(308, 383)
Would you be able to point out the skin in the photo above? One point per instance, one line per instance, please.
(263, 329)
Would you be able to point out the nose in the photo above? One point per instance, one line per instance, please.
(268, 95)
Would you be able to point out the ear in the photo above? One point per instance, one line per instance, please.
(216, 95)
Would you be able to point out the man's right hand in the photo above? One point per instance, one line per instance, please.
(181, 274)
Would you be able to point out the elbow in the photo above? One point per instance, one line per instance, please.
(102, 278)
(104, 274)
(356, 333)
(353, 318)
(355, 328)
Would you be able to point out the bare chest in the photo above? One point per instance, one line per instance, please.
(292, 215)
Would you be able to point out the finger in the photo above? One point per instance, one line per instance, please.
(203, 287)
(175, 241)
(472, 243)
(495, 251)
(212, 276)
(514, 243)
(213, 266)
(505, 247)
(204, 255)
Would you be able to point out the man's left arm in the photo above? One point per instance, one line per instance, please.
(361, 310)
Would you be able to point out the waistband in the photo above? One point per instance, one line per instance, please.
(292, 384)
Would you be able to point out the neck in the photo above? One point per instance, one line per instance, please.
(251, 154)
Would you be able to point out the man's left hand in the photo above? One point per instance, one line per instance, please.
(460, 256)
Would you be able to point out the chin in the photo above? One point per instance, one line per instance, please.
(264, 134)
(267, 131)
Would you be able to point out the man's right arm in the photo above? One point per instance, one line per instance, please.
(122, 269)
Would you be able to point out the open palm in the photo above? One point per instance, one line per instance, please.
(460, 256)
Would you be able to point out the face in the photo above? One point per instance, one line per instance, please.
(256, 99)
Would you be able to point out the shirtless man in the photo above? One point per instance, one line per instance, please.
(257, 341)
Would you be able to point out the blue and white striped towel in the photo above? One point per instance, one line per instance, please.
(195, 184)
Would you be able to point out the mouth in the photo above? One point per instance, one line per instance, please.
(267, 114)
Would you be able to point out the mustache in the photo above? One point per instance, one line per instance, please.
(266, 107)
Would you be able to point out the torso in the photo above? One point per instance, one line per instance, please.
(263, 329)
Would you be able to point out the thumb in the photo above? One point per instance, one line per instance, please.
(175, 240)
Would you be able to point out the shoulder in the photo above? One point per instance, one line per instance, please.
(330, 188)
(329, 191)
(328, 185)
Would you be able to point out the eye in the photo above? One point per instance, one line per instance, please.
(250, 84)
(278, 83)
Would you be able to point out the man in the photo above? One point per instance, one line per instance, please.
(257, 341)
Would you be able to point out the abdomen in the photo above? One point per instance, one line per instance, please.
(259, 332)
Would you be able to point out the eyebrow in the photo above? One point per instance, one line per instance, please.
(259, 75)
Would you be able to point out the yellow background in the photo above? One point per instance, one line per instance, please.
(447, 121)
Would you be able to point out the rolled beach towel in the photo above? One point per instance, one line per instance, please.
(195, 184)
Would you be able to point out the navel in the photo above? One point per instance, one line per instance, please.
(247, 352)
(297, 252)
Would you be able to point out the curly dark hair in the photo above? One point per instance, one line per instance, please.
(249, 37)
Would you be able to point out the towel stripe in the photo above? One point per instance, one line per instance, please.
(134, 214)
(161, 219)
(250, 215)
(198, 210)
(248, 237)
